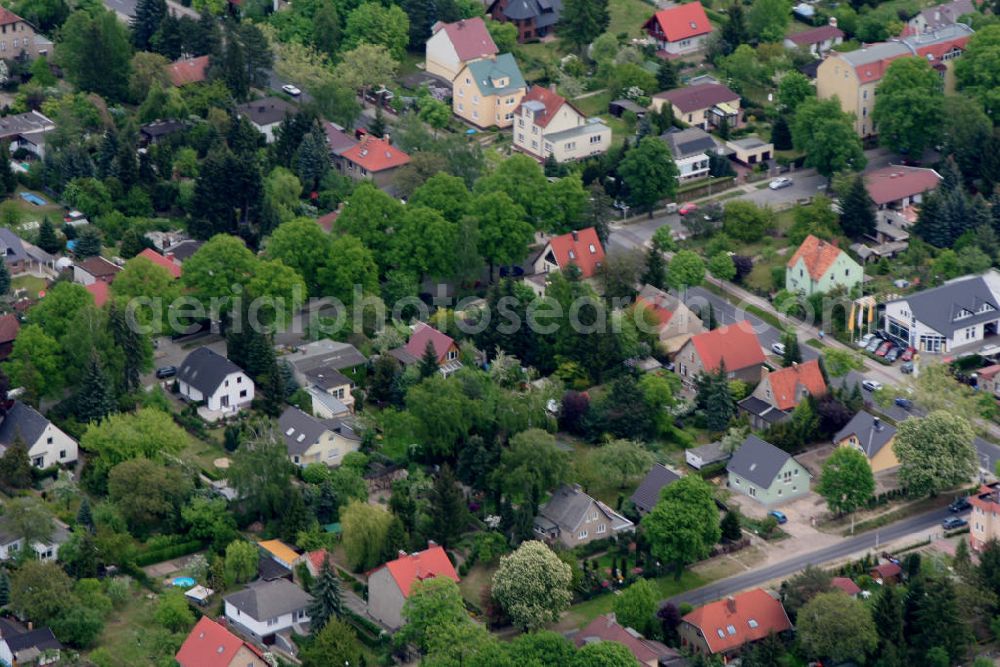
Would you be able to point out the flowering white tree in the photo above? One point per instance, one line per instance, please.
(532, 585)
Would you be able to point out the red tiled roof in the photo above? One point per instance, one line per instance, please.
(160, 260)
(427, 564)
(100, 267)
(895, 182)
(702, 96)
(470, 38)
(188, 70)
(423, 333)
(210, 645)
(887, 570)
(581, 247)
(816, 35)
(99, 290)
(326, 221)
(817, 254)
(607, 629)
(7, 17)
(989, 371)
(376, 155)
(938, 49)
(681, 22)
(316, 558)
(662, 315)
(737, 612)
(846, 585)
(9, 326)
(786, 381)
(550, 99)
(736, 344)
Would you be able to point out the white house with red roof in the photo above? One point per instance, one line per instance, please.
(679, 30)
(817, 40)
(581, 248)
(546, 124)
(452, 46)
(373, 159)
(724, 626)
(210, 644)
(898, 187)
(735, 345)
(390, 584)
(423, 335)
(172, 267)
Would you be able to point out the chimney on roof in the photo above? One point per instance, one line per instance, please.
(387, 137)
(552, 87)
(576, 235)
(461, 23)
(431, 544)
(877, 423)
(731, 604)
(401, 554)
(833, 21)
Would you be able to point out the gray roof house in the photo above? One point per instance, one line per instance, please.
(266, 114)
(47, 444)
(533, 18)
(765, 473)
(573, 518)
(648, 493)
(691, 148)
(207, 376)
(312, 440)
(867, 433)
(48, 550)
(37, 646)
(266, 609)
(12, 249)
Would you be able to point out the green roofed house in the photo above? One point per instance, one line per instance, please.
(486, 92)
(765, 473)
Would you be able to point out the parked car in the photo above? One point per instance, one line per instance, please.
(893, 354)
(778, 348)
(875, 344)
(871, 385)
(166, 372)
(907, 367)
(904, 403)
(960, 505)
(780, 182)
(883, 349)
(689, 207)
(953, 522)
(291, 90)
(865, 340)
(780, 516)
(908, 354)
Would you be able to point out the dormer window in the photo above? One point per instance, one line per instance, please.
(593, 250)
(572, 255)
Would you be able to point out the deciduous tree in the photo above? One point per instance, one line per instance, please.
(95, 52)
(847, 481)
(684, 525)
(364, 533)
(827, 135)
(909, 108)
(583, 21)
(532, 585)
(935, 452)
(649, 173)
(636, 606)
(837, 627)
(626, 459)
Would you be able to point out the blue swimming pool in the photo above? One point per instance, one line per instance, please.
(184, 582)
(33, 199)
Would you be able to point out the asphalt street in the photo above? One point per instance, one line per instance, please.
(860, 543)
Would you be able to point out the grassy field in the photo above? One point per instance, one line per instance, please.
(583, 613)
(31, 284)
(475, 582)
(627, 16)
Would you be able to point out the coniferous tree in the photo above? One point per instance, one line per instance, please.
(792, 355)
(712, 323)
(781, 134)
(84, 516)
(939, 622)
(655, 273)
(666, 77)
(422, 15)
(8, 180)
(715, 398)
(88, 243)
(169, 39)
(377, 126)
(383, 388)
(583, 21)
(429, 361)
(131, 243)
(95, 400)
(4, 279)
(731, 526)
(145, 23)
(273, 400)
(857, 216)
(130, 343)
(327, 602)
(47, 239)
(734, 30)
(4, 588)
(313, 159)
(15, 466)
(448, 510)
(295, 518)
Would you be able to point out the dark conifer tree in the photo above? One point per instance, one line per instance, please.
(95, 400)
(327, 601)
(857, 216)
(148, 16)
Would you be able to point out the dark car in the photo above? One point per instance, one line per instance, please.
(893, 354)
(907, 367)
(904, 403)
(953, 522)
(960, 505)
(166, 372)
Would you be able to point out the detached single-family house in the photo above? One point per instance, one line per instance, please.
(817, 40)
(187, 71)
(765, 473)
(374, 159)
(486, 92)
(17, 37)
(157, 131)
(9, 328)
(872, 437)
(898, 187)
(26, 130)
(648, 493)
(550, 126)
(266, 114)
(691, 149)
(886, 573)
(267, 610)
(172, 267)
(647, 652)
(533, 18)
(845, 585)
(11, 543)
(724, 626)
(95, 269)
(734, 345)
(574, 518)
(819, 267)
(984, 522)
(452, 46)
(210, 644)
(310, 440)
(679, 30)
(673, 321)
(34, 647)
(705, 105)
(390, 584)
(780, 391)
(581, 248)
(206, 376)
(423, 335)
(47, 444)
(935, 18)
(960, 312)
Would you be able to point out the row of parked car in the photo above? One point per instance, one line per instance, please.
(881, 346)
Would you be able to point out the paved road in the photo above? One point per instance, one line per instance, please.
(842, 549)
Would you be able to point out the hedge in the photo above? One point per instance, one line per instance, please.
(167, 553)
(713, 470)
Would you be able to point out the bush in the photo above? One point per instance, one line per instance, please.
(712, 470)
(151, 556)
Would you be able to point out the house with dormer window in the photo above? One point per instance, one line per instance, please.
(572, 518)
(311, 440)
(580, 247)
(725, 626)
(373, 159)
(679, 30)
(487, 92)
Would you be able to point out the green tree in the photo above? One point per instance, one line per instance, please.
(909, 108)
(837, 627)
(532, 585)
(721, 266)
(39, 591)
(636, 606)
(446, 194)
(935, 452)
(349, 264)
(146, 433)
(95, 400)
(714, 397)
(15, 466)
(684, 525)
(327, 604)
(768, 20)
(523, 180)
(449, 514)
(35, 363)
(434, 608)
(792, 354)
(649, 173)
(260, 472)
(4, 588)
(365, 528)
(28, 519)
(745, 221)
(302, 245)
(976, 70)
(857, 210)
(88, 242)
(147, 289)
(47, 239)
(583, 21)
(370, 215)
(149, 495)
(793, 89)
(938, 623)
(373, 23)
(365, 66)
(219, 264)
(532, 459)
(241, 561)
(335, 644)
(730, 526)
(666, 78)
(603, 654)
(504, 235)
(444, 414)
(781, 134)
(173, 611)
(687, 269)
(827, 135)
(847, 481)
(626, 459)
(94, 49)
(655, 271)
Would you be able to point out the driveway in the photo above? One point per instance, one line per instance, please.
(801, 513)
(173, 352)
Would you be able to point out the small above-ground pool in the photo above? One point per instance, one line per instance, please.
(32, 199)
(184, 582)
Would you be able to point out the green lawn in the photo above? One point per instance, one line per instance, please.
(203, 454)
(583, 613)
(628, 16)
(475, 582)
(31, 284)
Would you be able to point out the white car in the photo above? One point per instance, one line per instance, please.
(865, 340)
(780, 182)
(778, 348)
(871, 385)
(291, 90)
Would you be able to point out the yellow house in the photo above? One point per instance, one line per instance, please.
(311, 440)
(487, 92)
(872, 437)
